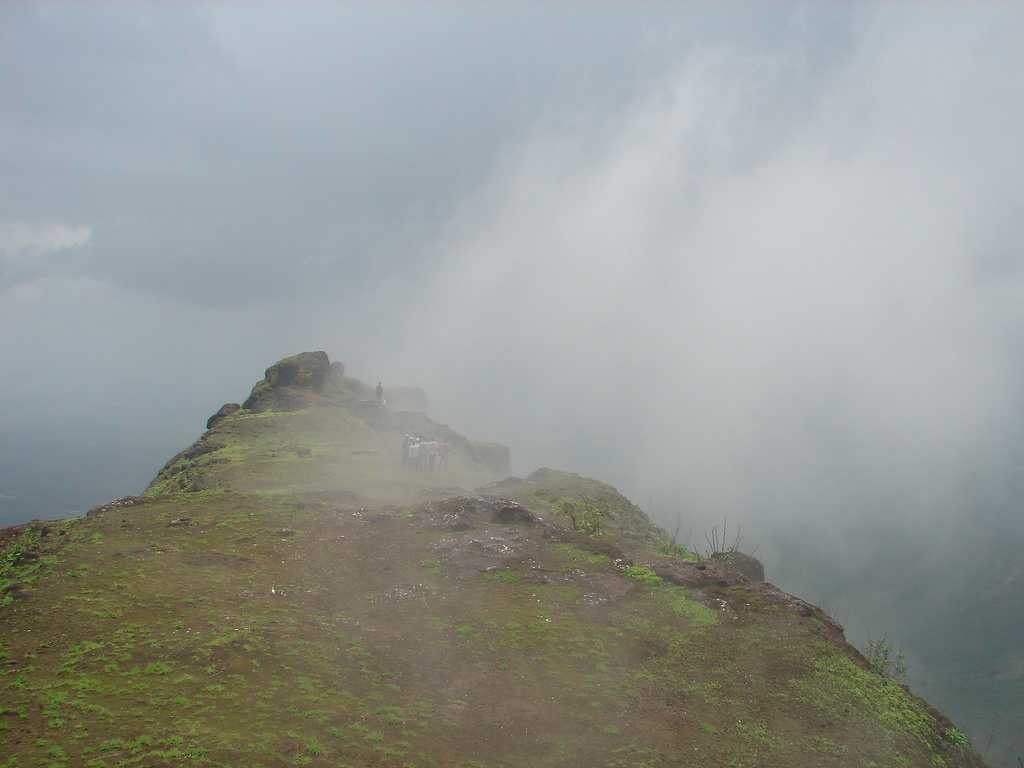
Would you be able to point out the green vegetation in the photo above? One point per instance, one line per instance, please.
(578, 557)
(670, 548)
(503, 577)
(884, 659)
(643, 574)
(840, 685)
(584, 515)
(956, 737)
(22, 564)
(680, 604)
(599, 508)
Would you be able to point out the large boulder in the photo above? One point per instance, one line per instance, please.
(285, 382)
(306, 369)
(225, 410)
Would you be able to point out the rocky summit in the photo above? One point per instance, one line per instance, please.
(297, 588)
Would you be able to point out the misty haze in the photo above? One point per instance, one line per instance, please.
(700, 418)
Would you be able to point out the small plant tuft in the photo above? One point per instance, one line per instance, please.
(957, 737)
(643, 574)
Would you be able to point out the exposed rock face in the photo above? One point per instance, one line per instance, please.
(307, 369)
(464, 512)
(124, 501)
(495, 456)
(703, 574)
(283, 384)
(338, 368)
(748, 566)
(225, 410)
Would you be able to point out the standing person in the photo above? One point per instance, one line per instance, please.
(380, 394)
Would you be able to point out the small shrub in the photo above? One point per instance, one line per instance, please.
(884, 659)
(957, 737)
(717, 543)
(585, 515)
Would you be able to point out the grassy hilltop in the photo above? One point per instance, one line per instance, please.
(284, 594)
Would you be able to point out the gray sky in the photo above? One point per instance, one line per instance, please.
(750, 260)
(189, 191)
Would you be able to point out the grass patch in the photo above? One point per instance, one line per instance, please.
(642, 574)
(22, 564)
(838, 684)
(504, 576)
(670, 548)
(678, 603)
(578, 556)
(956, 737)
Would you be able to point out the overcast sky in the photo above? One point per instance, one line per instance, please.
(750, 260)
(718, 251)
(190, 191)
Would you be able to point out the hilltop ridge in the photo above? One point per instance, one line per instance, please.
(307, 426)
(288, 591)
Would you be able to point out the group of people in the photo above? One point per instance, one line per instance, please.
(421, 455)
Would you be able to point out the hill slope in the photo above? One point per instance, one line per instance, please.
(285, 595)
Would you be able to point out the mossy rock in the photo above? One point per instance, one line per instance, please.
(285, 383)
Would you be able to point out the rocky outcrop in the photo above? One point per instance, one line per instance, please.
(746, 565)
(225, 410)
(287, 381)
(121, 503)
(307, 369)
(701, 574)
(464, 512)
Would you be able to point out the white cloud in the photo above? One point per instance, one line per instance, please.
(31, 251)
(722, 307)
(24, 242)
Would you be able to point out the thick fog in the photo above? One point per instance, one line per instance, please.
(741, 261)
